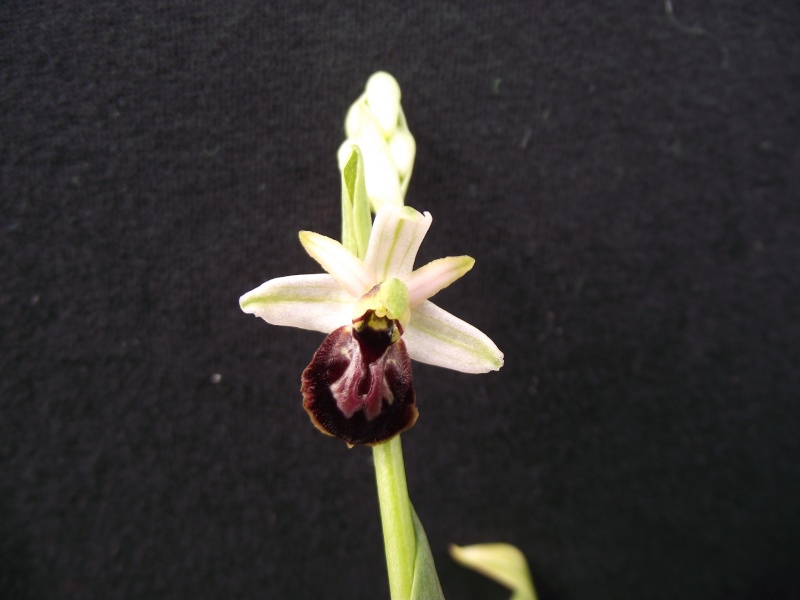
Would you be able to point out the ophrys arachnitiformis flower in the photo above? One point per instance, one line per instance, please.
(358, 386)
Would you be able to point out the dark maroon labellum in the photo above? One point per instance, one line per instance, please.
(358, 386)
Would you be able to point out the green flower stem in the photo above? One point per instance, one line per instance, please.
(399, 538)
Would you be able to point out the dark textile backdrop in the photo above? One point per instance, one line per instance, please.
(625, 174)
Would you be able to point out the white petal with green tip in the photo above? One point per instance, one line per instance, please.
(396, 236)
(436, 337)
(315, 302)
(350, 271)
(435, 276)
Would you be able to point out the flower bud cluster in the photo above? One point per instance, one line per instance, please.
(376, 124)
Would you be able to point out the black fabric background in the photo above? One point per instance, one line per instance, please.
(625, 174)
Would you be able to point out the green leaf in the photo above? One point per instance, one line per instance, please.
(426, 581)
(502, 562)
(356, 216)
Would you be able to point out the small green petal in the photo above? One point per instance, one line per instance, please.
(349, 270)
(435, 276)
(502, 562)
(436, 337)
(315, 302)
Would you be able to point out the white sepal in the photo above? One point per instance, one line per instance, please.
(436, 337)
(316, 302)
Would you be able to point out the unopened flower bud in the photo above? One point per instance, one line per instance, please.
(383, 99)
(376, 124)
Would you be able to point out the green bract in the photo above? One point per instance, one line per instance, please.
(356, 217)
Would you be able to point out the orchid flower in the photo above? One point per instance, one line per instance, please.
(376, 311)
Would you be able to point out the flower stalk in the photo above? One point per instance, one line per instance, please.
(399, 538)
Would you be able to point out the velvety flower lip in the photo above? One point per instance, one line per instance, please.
(325, 302)
(358, 387)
